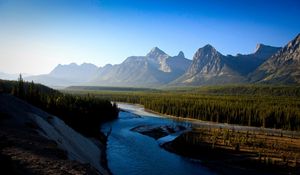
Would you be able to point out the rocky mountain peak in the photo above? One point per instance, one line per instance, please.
(73, 72)
(155, 52)
(264, 51)
(208, 47)
(181, 54)
(298, 38)
(282, 67)
(87, 64)
(264, 48)
(259, 47)
(207, 51)
(293, 45)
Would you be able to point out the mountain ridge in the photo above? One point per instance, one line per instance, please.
(282, 67)
(65, 75)
(208, 67)
(153, 69)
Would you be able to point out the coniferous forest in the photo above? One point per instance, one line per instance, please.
(250, 106)
(82, 113)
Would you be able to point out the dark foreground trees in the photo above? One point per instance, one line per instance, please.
(82, 113)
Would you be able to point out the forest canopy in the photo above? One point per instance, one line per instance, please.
(248, 105)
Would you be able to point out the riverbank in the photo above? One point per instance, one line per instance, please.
(234, 152)
(239, 152)
(209, 124)
(157, 132)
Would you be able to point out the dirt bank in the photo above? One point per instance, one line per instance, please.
(35, 142)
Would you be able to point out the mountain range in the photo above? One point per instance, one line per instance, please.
(211, 67)
(66, 75)
(156, 68)
(282, 67)
(208, 67)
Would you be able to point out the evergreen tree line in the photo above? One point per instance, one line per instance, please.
(82, 113)
(251, 89)
(261, 111)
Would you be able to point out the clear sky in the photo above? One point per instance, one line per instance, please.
(36, 35)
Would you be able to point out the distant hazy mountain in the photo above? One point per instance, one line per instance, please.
(74, 72)
(282, 67)
(156, 68)
(66, 75)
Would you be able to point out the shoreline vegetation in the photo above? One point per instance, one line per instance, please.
(232, 151)
(235, 151)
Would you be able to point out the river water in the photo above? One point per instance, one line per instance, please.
(131, 153)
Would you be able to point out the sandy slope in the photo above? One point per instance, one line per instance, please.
(39, 143)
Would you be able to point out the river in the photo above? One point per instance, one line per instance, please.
(131, 153)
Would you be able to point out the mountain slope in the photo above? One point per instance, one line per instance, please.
(245, 64)
(74, 72)
(66, 75)
(156, 68)
(282, 67)
(208, 67)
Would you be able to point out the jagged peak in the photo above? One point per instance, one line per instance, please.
(207, 48)
(298, 36)
(155, 51)
(65, 65)
(72, 64)
(293, 45)
(85, 64)
(261, 46)
(263, 49)
(207, 51)
(108, 65)
(181, 54)
(295, 41)
(76, 65)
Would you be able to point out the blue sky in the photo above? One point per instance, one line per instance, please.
(36, 35)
